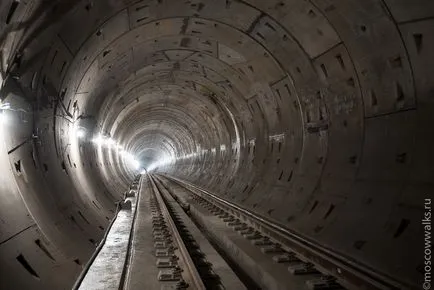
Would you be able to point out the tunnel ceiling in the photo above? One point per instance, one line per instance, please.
(316, 114)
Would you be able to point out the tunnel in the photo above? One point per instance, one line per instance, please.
(315, 114)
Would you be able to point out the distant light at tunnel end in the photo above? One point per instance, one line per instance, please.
(136, 164)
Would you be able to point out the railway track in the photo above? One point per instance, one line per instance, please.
(307, 264)
(183, 237)
(173, 257)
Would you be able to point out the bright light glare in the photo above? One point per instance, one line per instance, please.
(3, 118)
(161, 162)
(99, 140)
(110, 142)
(136, 164)
(130, 159)
(5, 106)
(81, 133)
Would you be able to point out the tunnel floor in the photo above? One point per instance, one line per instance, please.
(175, 236)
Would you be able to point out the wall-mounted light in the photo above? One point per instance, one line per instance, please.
(5, 106)
(3, 118)
(81, 133)
(108, 142)
(98, 140)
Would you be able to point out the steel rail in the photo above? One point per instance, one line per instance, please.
(350, 273)
(193, 273)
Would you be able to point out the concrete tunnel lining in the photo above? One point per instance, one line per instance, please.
(314, 114)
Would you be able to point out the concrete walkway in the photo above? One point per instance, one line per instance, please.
(106, 270)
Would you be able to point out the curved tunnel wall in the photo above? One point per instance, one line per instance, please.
(315, 114)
